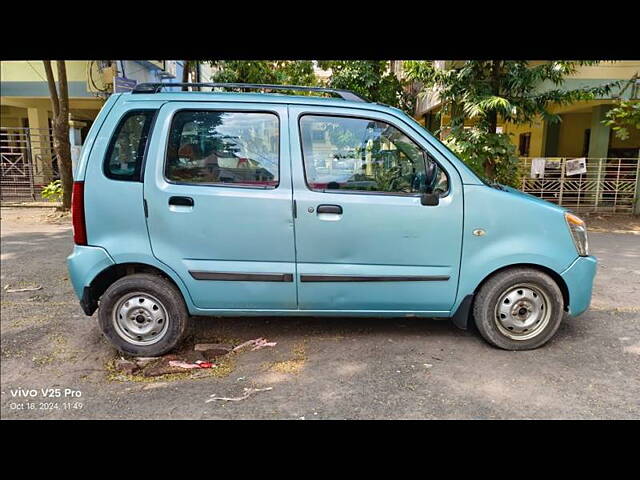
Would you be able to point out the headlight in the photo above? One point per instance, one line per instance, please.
(578, 230)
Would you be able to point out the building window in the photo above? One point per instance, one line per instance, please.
(430, 122)
(525, 142)
(585, 143)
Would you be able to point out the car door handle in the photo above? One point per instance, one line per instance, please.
(181, 201)
(329, 209)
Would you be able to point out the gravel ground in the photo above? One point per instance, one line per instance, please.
(320, 368)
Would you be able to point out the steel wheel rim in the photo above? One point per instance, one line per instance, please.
(522, 311)
(140, 319)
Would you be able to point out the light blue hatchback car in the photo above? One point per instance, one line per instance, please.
(226, 203)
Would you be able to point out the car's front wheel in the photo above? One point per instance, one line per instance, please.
(518, 309)
(143, 315)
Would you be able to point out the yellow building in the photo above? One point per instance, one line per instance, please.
(27, 158)
(24, 95)
(580, 133)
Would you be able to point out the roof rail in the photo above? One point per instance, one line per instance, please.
(157, 87)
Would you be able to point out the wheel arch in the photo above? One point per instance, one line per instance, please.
(112, 273)
(553, 274)
(463, 312)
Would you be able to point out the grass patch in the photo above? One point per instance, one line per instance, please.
(293, 365)
(224, 366)
(43, 360)
(10, 353)
(60, 352)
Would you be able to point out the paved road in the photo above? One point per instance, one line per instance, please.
(320, 368)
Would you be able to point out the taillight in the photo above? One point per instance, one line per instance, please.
(77, 214)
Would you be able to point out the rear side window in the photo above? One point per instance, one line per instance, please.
(127, 147)
(215, 147)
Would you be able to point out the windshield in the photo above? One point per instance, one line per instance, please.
(490, 183)
(468, 175)
(487, 181)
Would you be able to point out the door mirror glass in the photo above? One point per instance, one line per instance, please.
(435, 181)
(430, 199)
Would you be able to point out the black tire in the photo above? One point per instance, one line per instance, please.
(168, 297)
(486, 309)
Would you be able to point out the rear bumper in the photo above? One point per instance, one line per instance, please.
(579, 279)
(84, 264)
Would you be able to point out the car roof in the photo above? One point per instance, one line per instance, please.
(467, 174)
(247, 97)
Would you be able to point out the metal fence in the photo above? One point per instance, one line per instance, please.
(27, 162)
(609, 185)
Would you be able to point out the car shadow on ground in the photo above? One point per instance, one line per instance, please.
(310, 326)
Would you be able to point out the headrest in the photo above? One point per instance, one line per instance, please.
(190, 150)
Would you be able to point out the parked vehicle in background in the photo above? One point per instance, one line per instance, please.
(222, 203)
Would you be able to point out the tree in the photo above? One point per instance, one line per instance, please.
(61, 145)
(189, 72)
(626, 114)
(488, 90)
(277, 72)
(186, 71)
(372, 79)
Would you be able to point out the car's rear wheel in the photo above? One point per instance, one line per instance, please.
(518, 309)
(143, 315)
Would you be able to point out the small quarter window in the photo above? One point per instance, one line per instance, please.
(214, 147)
(126, 151)
(363, 155)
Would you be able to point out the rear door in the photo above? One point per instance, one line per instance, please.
(364, 241)
(219, 201)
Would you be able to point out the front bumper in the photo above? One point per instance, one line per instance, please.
(579, 279)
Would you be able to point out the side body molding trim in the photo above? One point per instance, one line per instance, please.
(242, 277)
(370, 278)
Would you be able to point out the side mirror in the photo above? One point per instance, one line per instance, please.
(430, 199)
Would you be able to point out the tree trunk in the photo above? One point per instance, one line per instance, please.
(489, 163)
(374, 90)
(61, 144)
(185, 73)
(495, 90)
(492, 117)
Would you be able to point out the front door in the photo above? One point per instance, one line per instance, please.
(364, 241)
(218, 192)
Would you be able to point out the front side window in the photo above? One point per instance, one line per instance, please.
(357, 154)
(214, 147)
(126, 150)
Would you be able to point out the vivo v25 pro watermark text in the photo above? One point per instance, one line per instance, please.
(45, 399)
